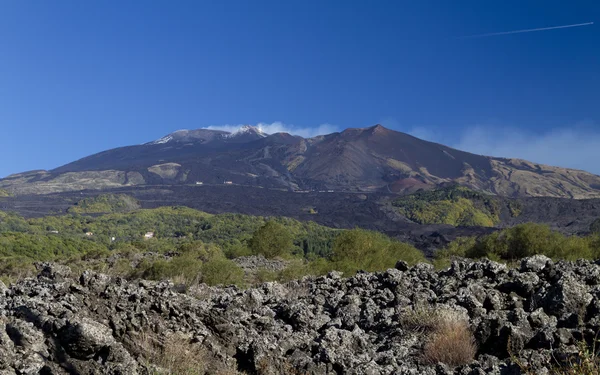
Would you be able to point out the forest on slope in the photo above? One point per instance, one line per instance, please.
(110, 233)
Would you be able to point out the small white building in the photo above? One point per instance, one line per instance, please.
(89, 234)
(199, 183)
(228, 182)
(149, 235)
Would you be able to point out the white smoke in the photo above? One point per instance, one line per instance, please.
(575, 147)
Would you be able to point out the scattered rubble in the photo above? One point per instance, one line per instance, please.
(531, 316)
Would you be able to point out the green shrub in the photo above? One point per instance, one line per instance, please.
(10, 222)
(155, 269)
(264, 275)
(96, 254)
(221, 271)
(514, 208)
(200, 250)
(360, 249)
(457, 248)
(122, 268)
(44, 247)
(271, 240)
(521, 241)
(15, 267)
(236, 250)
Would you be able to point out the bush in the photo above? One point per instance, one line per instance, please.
(15, 268)
(457, 248)
(360, 249)
(122, 268)
(522, 241)
(236, 249)
(271, 240)
(95, 254)
(221, 271)
(200, 250)
(529, 239)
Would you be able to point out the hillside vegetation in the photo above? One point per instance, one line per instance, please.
(105, 203)
(4, 193)
(191, 245)
(522, 241)
(456, 205)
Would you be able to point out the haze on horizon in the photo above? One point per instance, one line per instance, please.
(82, 78)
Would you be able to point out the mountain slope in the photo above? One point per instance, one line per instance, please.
(366, 159)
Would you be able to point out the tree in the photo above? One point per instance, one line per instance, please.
(271, 240)
(360, 249)
(221, 271)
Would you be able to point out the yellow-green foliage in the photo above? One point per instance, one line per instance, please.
(456, 248)
(222, 271)
(271, 240)
(43, 247)
(105, 203)
(4, 193)
(360, 249)
(10, 222)
(456, 206)
(196, 262)
(198, 245)
(514, 208)
(522, 241)
(14, 268)
(232, 232)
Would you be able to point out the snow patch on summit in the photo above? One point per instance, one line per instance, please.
(247, 129)
(161, 140)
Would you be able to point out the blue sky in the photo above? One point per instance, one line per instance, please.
(81, 77)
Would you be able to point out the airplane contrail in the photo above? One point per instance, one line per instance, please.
(529, 30)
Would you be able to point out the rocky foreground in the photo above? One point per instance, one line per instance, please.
(532, 318)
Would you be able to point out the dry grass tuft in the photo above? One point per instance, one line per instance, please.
(449, 339)
(421, 319)
(451, 343)
(177, 355)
